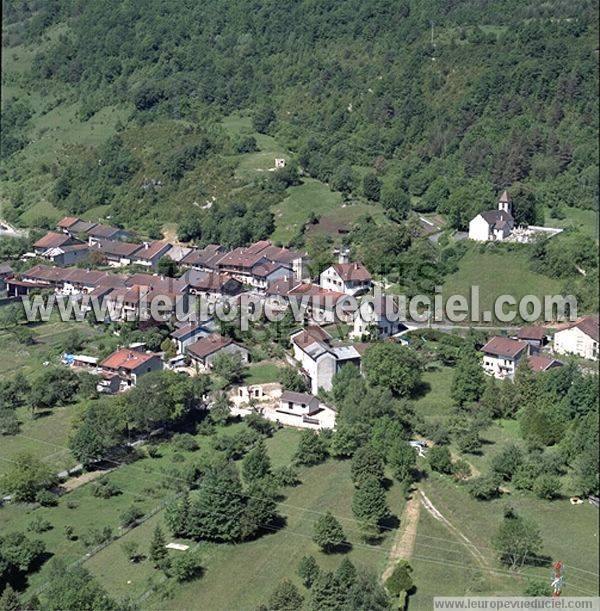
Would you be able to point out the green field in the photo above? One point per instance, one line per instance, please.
(584, 220)
(498, 273)
(311, 196)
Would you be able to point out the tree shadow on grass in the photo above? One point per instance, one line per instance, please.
(421, 389)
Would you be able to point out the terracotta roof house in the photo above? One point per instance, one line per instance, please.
(115, 252)
(211, 284)
(378, 318)
(52, 240)
(501, 356)
(130, 364)
(536, 337)
(205, 259)
(204, 350)
(322, 304)
(542, 363)
(67, 221)
(67, 254)
(177, 253)
(580, 338)
(350, 278)
(106, 232)
(150, 253)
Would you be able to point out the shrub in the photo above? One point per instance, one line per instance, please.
(546, 486)
(130, 516)
(177, 457)
(186, 566)
(285, 476)
(39, 525)
(46, 498)
(105, 489)
(484, 487)
(185, 442)
(440, 459)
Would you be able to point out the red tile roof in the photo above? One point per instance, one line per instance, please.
(503, 346)
(542, 363)
(208, 345)
(150, 250)
(311, 335)
(589, 325)
(67, 221)
(356, 272)
(52, 240)
(534, 333)
(125, 358)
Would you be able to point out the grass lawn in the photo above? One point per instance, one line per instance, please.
(584, 220)
(497, 273)
(435, 402)
(262, 373)
(258, 566)
(576, 546)
(311, 196)
(40, 436)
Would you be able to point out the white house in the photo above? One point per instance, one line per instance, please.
(344, 277)
(493, 225)
(580, 338)
(190, 332)
(377, 318)
(320, 358)
(502, 355)
(204, 350)
(301, 409)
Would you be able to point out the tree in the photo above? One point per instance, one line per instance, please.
(468, 440)
(168, 347)
(506, 462)
(308, 570)
(187, 566)
(311, 449)
(263, 118)
(167, 267)
(367, 593)
(230, 367)
(440, 459)
(261, 508)
(402, 460)
(9, 601)
(177, 515)
(346, 573)
(401, 579)
(217, 511)
(547, 486)
(371, 187)
(396, 200)
(74, 588)
(328, 533)
(327, 593)
(366, 463)
(468, 381)
(257, 463)
(27, 477)
(291, 380)
(131, 549)
(490, 398)
(221, 409)
(517, 541)
(158, 552)
(286, 597)
(9, 423)
(369, 506)
(100, 429)
(18, 556)
(484, 487)
(347, 438)
(392, 366)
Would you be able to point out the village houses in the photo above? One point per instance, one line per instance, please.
(493, 225)
(580, 338)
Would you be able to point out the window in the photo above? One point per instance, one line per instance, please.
(290, 405)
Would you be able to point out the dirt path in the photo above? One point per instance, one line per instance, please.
(474, 551)
(84, 478)
(404, 541)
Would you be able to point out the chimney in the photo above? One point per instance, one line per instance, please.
(344, 256)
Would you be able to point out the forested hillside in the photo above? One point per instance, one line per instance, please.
(450, 100)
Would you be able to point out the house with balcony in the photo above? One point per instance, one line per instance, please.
(501, 356)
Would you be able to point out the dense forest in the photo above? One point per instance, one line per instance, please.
(460, 99)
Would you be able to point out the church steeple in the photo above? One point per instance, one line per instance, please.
(505, 202)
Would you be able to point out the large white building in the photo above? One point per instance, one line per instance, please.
(377, 318)
(580, 338)
(493, 225)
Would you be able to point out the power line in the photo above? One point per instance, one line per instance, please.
(284, 504)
